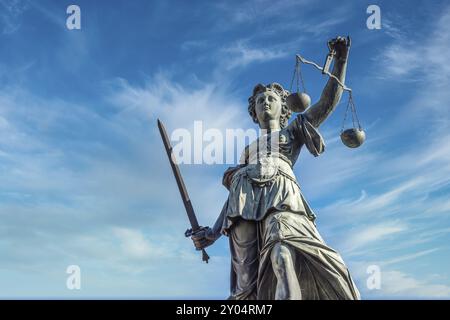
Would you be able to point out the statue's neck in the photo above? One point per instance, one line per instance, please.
(271, 125)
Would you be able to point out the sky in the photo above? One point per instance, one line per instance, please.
(85, 181)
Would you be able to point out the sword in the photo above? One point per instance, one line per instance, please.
(195, 227)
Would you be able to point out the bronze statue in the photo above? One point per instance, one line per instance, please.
(276, 250)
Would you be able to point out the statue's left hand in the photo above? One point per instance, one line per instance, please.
(341, 46)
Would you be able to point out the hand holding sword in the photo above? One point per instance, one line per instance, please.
(199, 234)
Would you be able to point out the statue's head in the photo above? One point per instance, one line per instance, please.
(269, 103)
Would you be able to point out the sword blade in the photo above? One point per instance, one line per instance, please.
(180, 183)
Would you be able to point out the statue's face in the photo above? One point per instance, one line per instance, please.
(267, 107)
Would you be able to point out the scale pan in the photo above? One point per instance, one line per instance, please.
(298, 101)
(353, 138)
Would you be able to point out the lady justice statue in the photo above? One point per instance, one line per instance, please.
(276, 250)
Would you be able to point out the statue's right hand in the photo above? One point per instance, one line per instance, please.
(341, 46)
(203, 238)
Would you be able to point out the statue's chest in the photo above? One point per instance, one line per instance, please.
(263, 171)
(279, 142)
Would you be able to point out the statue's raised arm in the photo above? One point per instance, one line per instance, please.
(332, 92)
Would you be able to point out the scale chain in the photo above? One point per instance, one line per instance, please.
(350, 105)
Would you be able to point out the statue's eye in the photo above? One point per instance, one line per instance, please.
(260, 100)
(271, 98)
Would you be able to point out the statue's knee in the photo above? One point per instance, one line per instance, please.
(281, 256)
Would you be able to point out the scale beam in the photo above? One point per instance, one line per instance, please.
(303, 60)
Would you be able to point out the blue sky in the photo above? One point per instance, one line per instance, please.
(85, 181)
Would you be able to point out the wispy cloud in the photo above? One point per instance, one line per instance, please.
(134, 243)
(409, 257)
(365, 236)
(408, 59)
(286, 16)
(241, 54)
(256, 10)
(11, 14)
(400, 61)
(397, 283)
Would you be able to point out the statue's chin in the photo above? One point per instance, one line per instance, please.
(268, 116)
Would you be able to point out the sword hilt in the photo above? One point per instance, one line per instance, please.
(205, 256)
(188, 233)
